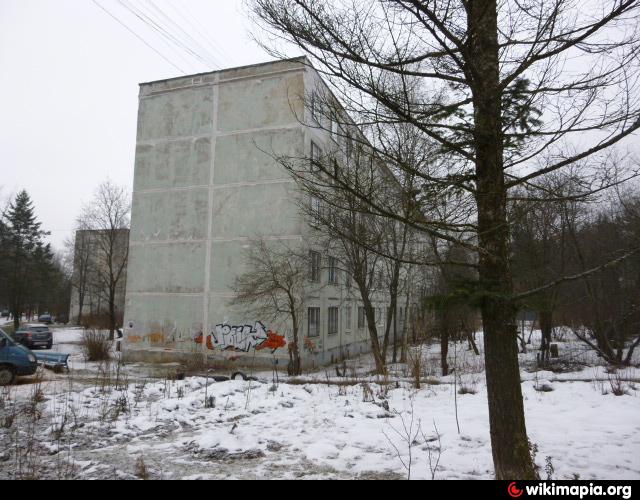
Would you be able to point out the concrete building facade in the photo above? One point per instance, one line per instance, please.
(206, 185)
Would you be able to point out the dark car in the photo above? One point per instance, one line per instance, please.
(47, 319)
(14, 360)
(5, 314)
(34, 335)
(62, 319)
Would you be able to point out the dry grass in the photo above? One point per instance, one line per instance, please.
(141, 469)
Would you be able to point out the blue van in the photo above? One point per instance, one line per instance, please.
(14, 360)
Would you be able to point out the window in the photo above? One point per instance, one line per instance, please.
(347, 280)
(348, 145)
(347, 318)
(316, 156)
(332, 322)
(313, 319)
(316, 211)
(334, 130)
(314, 267)
(333, 270)
(380, 280)
(315, 107)
(361, 318)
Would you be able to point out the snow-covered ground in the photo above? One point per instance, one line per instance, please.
(100, 422)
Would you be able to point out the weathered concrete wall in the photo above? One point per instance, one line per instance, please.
(203, 188)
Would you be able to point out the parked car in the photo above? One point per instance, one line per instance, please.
(14, 360)
(62, 319)
(5, 314)
(34, 335)
(47, 319)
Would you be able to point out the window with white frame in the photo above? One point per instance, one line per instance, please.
(332, 320)
(348, 146)
(347, 318)
(314, 266)
(315, 107)
(361, 318)
(316, 156)
(335, 130)
(315, 211)
(313, 322)
(333, 271)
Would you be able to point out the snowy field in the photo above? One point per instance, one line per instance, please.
(128, 422)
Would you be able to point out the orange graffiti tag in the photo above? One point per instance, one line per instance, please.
(273, 342)
(198, 340)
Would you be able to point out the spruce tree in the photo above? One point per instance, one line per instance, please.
(27, 256)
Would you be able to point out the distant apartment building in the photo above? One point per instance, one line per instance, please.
(206, 185)
(90, 279)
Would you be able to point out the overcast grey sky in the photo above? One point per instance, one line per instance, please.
(69, 77)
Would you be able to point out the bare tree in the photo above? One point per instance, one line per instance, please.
(275, 285)
(450, 301)
(605, 252)
(498, 85)
(81, 254)
(106, 218)
(540, 252)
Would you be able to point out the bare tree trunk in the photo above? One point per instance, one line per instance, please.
(295, 366)
(373, 335)
(509, 442)
(405, 322)
(395, 337)
(444, 348)
(393, 295)
(546, 327)
(112, 313)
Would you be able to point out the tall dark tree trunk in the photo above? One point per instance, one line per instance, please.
(112, 314)
(545, 319)
(509, 443)
(80, 307)
(373, 335)
(295, 365)
(405, 323)
(395, 336)
(17, 315)
(393, 307)
(444, 349)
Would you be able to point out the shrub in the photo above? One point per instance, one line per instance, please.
(96, 346)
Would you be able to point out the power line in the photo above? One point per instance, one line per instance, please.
(180, 29)
(202, 30)
(164, 37)
(153, 24)
(139, 37)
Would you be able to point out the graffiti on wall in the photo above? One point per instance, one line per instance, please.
(243, 338)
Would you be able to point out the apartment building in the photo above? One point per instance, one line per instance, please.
(206, 186)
